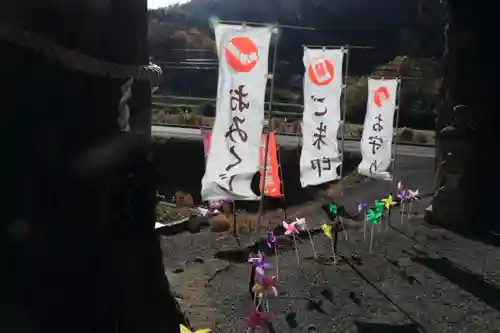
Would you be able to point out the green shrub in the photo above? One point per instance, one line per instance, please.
(358, 132)
(421, 137)
(406, 135)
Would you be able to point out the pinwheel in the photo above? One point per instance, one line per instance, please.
(265, 285)
(184, 329)
(373, 218)
(333, 208)
(379, 206)
(327, 230)
(403, 197)
(259, 263)
(332, 212)
(291, 229)
(361, 207)
(388, 202)
(300, 224)
(412, 196)
(257, 319)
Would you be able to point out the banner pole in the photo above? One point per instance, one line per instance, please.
(395, 136)
(344, 112)
(266, 145)
(263, 174)
(260, 24)
(282, 184)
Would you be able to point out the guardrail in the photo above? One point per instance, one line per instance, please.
(406, 143)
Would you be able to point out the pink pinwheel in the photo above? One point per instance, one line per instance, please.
(400, 186)
(290, 228)
(257, 319)
(265, 285)
(259, 263)
(271, 239)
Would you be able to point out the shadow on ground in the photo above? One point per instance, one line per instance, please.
(472, 283)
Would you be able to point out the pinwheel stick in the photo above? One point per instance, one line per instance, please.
(334, 255)
(312, 244)
(296, 249)
(371, 238)
(343, 228)
(409, 210)
(261, 298)
(364, 227)
(381, 219)
(276, 258)
(402, 211)
(388, 219)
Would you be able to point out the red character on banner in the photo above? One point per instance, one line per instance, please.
(320, 71)
(380, 96)
(241, 54)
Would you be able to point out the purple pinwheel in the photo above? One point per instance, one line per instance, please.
(271, 239)
(259, 263)
(403, 195)
(361, 207)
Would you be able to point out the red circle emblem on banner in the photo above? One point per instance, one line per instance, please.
(320, 71)
(380, 95)
(241, 54)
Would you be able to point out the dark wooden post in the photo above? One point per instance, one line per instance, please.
(78, 194)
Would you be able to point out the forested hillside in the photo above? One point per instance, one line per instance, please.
(408, 33)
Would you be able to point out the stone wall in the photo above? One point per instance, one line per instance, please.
(180, 165)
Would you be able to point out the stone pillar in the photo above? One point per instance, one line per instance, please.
(462, 157)
(457, 154)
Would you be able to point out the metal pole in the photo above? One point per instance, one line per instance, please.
(344, 111)
(266, 149)
(235, 231)
(395, 136)
(282, 184)
(265, 24)
(378, 77)
(338, 46)
(213, 99)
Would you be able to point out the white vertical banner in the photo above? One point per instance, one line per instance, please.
(378, 130)
(320, 156)
(234, 154)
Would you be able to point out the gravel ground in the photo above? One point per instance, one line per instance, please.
(430, 277)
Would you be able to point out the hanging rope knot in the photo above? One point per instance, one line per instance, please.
(75, 60)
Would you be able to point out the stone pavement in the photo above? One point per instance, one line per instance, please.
(417, 277)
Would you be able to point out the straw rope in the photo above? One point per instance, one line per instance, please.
(72, 59)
